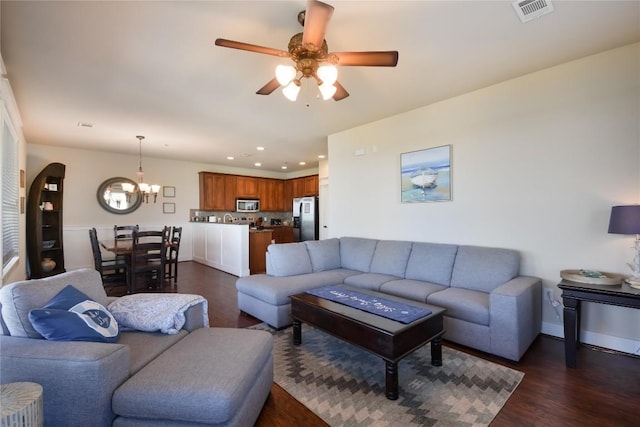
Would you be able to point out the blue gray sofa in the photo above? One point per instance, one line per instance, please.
(199, 376)
(490, 306)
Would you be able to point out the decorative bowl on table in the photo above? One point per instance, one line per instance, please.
(592, 277)
(48, 244)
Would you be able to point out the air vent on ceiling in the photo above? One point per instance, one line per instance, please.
(531, 9)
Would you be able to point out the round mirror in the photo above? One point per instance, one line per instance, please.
(119, 195)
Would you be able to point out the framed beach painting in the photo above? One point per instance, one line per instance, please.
(426, 175)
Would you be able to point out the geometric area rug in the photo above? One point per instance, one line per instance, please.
(344, 385)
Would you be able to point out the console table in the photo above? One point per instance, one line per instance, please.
(574, 293)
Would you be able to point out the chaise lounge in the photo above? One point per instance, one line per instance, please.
(490, 306)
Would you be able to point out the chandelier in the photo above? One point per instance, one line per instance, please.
(143, 189)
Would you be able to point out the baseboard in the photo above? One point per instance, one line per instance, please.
(623, 345)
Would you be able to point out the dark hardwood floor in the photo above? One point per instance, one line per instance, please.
(603, 391)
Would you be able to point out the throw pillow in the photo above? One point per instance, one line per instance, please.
(73, 316)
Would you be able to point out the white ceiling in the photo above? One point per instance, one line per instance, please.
(152, 68)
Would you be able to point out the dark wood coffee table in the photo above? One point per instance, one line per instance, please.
(383, 337)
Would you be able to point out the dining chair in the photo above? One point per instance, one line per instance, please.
(171, 271)
(148, 256)
(114, 272)
(124, 231)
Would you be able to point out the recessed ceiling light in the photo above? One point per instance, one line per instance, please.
(283, 167)
(302, 163)
(230, 157)
(321, 156)
(257, 164)
(260, 148)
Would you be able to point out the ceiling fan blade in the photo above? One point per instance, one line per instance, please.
(341, 92)
(316, 20)
(373, 59)
(269, 87)
(251, 47)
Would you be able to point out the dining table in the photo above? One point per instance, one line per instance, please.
(124, 247)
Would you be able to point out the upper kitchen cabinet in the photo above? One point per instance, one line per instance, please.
(230, 187)
(44, 223)
(304, 186)
(310, 185)
(271, 194)
(247, 186)
(212, 191)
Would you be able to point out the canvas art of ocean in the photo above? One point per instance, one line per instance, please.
(393, 310)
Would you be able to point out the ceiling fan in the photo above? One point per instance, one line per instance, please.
(311, 56)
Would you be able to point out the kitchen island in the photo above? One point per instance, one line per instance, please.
(222, 246)
(228, 247)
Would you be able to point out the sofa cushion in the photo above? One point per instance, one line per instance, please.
(202, 380)
(371, 281)
(73, 316)
(146, 346)
(416, 290)
(324, 254)
(288, 259)
(463, 304)
(356, 253)
(390, 257)
(484, 269)
(276, 290)
(18, 298)
(431, 262)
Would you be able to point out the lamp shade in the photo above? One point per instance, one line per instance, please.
(625, 219)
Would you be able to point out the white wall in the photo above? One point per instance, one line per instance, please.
(537, 163)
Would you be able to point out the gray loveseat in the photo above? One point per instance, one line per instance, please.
(199, 376)
(490, 307)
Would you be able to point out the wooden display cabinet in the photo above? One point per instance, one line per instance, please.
(45, 249)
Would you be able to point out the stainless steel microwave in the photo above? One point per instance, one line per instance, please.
(247, 205)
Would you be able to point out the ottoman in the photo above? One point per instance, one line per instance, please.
(214, 376)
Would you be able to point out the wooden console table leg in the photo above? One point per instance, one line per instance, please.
(391, 371)
(436, 351)
(297, 332)
(571, 314)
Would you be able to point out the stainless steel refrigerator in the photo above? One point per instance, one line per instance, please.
(305, 219)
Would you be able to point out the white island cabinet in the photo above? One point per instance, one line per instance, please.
(222, 246)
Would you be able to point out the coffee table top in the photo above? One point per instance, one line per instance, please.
(373, 320)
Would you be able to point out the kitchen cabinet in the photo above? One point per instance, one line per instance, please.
(281, 233)
(222, 246)
(44, 223)
(247, 186)
(212, 191)
(230, 185)
(300, 187)
(310, 184)
(270, 192)
(217, 192)
(258, 243)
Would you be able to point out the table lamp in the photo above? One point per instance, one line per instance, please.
(626, 220)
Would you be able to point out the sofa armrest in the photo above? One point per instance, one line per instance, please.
(515, 316)
(194, 317)
(78, 378)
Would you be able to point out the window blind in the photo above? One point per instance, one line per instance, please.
(10, 194)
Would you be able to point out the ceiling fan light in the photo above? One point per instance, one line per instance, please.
(328, 74)
(284, 74)
(327, 91)
(291, 91)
